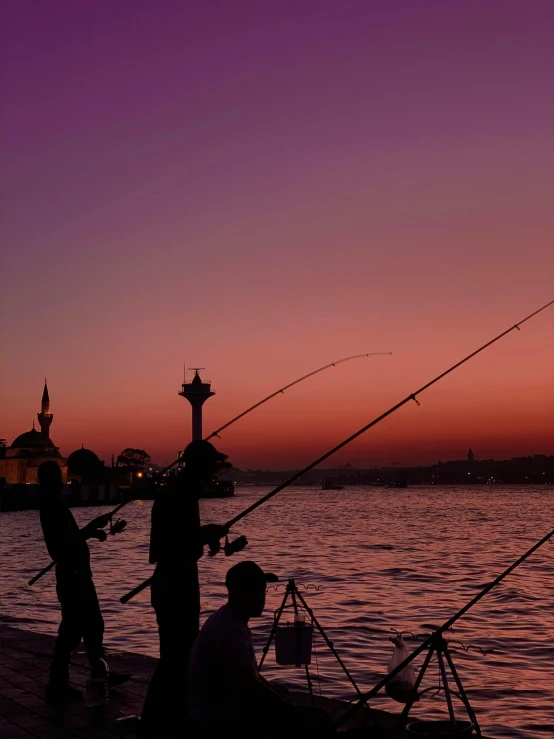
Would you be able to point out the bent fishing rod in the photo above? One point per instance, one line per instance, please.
(286, 387)
(407, 399)
(446, 625)
(281, 390)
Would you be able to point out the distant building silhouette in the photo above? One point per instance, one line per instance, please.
(90, 481)
(197, 393)
(30, 449)
(45, 418)
(470, 456)
(83, 465)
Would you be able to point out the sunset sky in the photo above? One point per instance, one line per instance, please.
(260, 188)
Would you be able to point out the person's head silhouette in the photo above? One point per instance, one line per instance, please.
(246, 584)
(50, 478)
(202, 460)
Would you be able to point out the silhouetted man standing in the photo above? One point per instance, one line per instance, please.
(177, 542)
(81, 616)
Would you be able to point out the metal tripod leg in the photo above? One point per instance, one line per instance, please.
(293, 594)
(290, 590)
(440, 652)
(328, 642)
(463, 696)
(407, 708)
(331, 646)
(441, 648)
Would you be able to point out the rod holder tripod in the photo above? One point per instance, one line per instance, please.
(439, 647)
(296, 597)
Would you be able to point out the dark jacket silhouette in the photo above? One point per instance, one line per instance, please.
(176, 544)
(67, 545)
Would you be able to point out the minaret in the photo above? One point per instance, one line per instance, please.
(45, 418)
(470, 456)
(197, 393)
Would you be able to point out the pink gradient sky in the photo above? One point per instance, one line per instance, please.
(260, 188)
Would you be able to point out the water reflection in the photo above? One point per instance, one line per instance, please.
(381, 558)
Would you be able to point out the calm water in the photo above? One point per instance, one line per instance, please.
(370, 558)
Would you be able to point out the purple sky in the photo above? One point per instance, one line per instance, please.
(261, 188)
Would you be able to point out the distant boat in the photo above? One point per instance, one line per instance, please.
(329, 484)
(398, 484)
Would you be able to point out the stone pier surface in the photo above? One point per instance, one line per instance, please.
(24, 667)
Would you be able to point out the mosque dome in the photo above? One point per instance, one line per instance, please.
(21, 460)
(82, 461)
(32, 439)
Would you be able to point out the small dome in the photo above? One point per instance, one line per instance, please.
(83, 461)
(31, 439)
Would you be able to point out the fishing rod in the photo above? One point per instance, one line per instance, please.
(115, 528)
(446, 625)
(286, 387)
(282, 391)
(412, 396)
(46, 569)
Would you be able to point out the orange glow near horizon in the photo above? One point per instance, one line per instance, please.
(500, 403)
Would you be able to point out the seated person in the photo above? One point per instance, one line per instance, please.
(227, 695)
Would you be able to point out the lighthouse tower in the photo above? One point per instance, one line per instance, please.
(45, 418)
(197, 393)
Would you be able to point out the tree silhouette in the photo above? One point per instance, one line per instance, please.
(137, 459)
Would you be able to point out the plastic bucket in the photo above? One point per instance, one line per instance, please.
(293, 644)
(440, 728)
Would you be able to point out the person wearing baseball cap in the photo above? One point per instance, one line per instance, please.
(227, 696)
(246, 577)
(200, 451)
(177, 541)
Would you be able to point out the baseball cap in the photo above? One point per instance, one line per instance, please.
(200, 450)
(247, 576)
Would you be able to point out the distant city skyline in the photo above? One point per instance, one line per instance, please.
(450, 450)
(261, 193)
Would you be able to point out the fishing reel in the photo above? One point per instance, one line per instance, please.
(118, 526)
(230, 547)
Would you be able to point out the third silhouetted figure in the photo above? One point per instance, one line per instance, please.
(177, 542)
